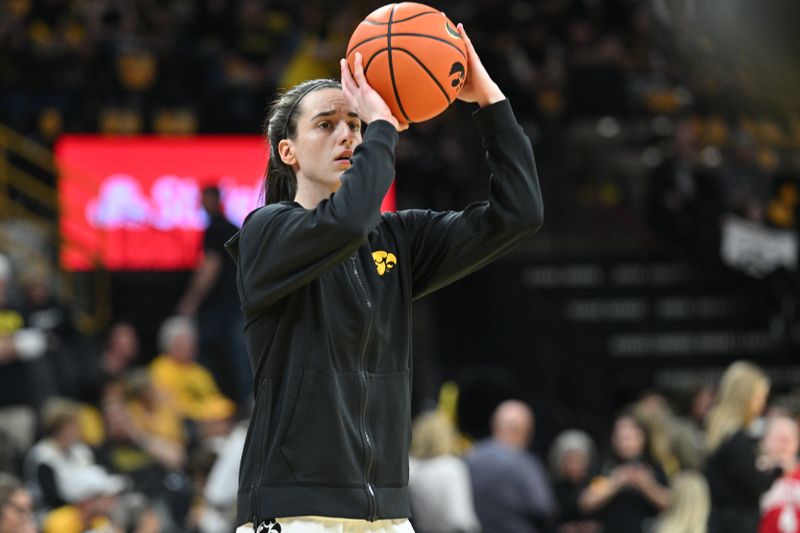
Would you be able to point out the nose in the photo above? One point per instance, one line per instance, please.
(346, 135)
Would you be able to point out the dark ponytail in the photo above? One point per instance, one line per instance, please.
(280, 183)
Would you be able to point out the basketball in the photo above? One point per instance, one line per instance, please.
(413, 56)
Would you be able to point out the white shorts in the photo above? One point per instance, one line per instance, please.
(323, 524)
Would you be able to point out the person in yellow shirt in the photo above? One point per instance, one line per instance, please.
(190, 387)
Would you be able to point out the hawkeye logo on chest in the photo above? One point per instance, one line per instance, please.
(384, 261)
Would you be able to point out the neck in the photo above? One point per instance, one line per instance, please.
(309, 194)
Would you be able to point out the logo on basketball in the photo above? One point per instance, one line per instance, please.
(451, 30)
(457, 70)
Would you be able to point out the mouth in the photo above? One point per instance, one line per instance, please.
(344, 157)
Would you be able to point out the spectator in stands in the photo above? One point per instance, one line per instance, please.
(212, 297)
(596, 80)
(780, 505)
(92, 496)
(653, 411)
(154, 464)
(689, 506)
(215, 511)
(674, 441)
(44, 312)
(683, 197)
(746, 187)
(20, 348)
(631, 487)
(152, 414)
(694, 402)
(120, 350)
(438, 480)
(511, 489)
(16, 507)
(188, 384)
(735, 482)
(571, 456)
(51, 463)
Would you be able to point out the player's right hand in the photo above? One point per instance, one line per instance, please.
(365, 100)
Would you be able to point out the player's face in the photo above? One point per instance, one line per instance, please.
(328, 130)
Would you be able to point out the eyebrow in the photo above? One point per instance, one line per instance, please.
(329, 113)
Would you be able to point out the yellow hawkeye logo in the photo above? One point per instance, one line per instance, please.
(384, 261)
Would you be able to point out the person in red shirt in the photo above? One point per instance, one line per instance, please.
(780, 505)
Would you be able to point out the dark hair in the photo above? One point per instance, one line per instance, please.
(211, 190)
(628, 413)
(280, 182)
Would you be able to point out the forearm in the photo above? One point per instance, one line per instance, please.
(202, 280)
(597, 495)
(656, 494)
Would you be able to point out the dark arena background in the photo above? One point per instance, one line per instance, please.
(667, 139)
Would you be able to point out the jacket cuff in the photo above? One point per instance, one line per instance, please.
(381, 130)
(495, 118)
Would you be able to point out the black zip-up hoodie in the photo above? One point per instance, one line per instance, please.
(326, 294)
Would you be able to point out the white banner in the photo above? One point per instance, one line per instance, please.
(756, 249)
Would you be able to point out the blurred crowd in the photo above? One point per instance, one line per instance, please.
(612, 84)
(113, 440)
(99, 437)
(725, 461)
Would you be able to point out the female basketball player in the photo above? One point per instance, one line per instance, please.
(326, 284)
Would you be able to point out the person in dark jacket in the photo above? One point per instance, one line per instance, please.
(631, 488)
(735, 482)
(326, 283)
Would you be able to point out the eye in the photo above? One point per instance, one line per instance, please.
(324, 125)
(355, 126)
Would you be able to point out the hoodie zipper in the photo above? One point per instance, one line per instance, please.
(370, 489)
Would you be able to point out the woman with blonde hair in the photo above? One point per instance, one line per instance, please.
(735, 482)
(438, 480)
(689, 507)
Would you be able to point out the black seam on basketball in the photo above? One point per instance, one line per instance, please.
(376, 54)
(421, 64)
(368, 39)
(376, 23)
(391, 67)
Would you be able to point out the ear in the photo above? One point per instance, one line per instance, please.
(286, 152)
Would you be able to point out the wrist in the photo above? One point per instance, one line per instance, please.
(390, 119)
(491, 96)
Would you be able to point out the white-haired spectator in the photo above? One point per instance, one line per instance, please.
(570, 458)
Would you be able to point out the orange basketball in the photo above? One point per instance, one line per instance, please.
(413, 57)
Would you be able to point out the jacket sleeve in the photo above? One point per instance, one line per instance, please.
(745, 478)
(446, 246)
(281, 247)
